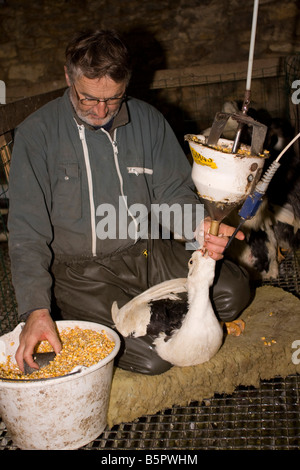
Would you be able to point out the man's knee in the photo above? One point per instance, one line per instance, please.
(231, 290)
(139, 355)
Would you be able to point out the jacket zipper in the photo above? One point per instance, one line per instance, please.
(116, 160)
(90, 186)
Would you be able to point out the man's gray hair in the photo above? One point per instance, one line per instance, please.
(96, 54)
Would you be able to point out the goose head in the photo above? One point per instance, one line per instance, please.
(201, 267)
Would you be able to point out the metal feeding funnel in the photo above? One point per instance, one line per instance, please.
(224, 179)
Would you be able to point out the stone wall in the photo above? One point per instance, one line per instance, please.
(164, 34)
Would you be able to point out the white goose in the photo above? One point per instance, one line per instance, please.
(186, 333)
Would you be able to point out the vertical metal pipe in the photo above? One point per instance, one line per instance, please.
(249, 75)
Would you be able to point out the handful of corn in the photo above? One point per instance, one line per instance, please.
(80, 347)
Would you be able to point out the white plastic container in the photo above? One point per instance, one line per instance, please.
(62, 413)
(223, 176)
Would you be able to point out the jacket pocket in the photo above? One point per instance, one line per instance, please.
(67, 193)
(137, 170)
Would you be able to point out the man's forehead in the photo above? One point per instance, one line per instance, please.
(96, 87)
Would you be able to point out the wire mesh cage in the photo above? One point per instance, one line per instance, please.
(267, 417)
(8, 307)
(191, 100)
(6, 142)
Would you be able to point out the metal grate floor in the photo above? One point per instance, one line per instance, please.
(267, 418)
(264, 418)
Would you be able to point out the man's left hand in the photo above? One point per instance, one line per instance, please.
(215, 244)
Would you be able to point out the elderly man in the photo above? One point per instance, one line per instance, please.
(90, 153)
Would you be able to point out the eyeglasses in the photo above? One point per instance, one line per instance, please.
(94, 101)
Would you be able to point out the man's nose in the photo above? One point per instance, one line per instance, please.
(101, 108)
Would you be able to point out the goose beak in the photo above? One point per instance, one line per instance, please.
(204, 252)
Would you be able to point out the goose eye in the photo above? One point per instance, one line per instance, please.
(191, 261)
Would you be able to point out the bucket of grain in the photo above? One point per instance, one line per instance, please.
(57, 413)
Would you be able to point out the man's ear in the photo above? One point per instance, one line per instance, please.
(67, 77)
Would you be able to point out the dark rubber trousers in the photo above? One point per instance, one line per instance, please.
(86, 289)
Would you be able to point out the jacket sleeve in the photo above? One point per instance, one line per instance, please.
(30, 231)
(172, 181)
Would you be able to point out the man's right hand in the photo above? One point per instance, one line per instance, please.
(38, 327)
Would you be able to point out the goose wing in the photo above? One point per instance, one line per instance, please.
(134, 317)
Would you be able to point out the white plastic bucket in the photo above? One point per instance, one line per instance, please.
(223, 176)
(62, 413)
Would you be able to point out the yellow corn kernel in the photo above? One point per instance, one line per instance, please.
(268, 343)
(80, 347)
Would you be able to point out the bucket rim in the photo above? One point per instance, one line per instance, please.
(61, 324)
(227, 143)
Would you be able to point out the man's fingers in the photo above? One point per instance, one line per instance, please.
(55, 343)
(216, 244)
(28, 358)
(25, 353)
(19, 359)
(227, 231)
(38, 327)
(224, 229)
